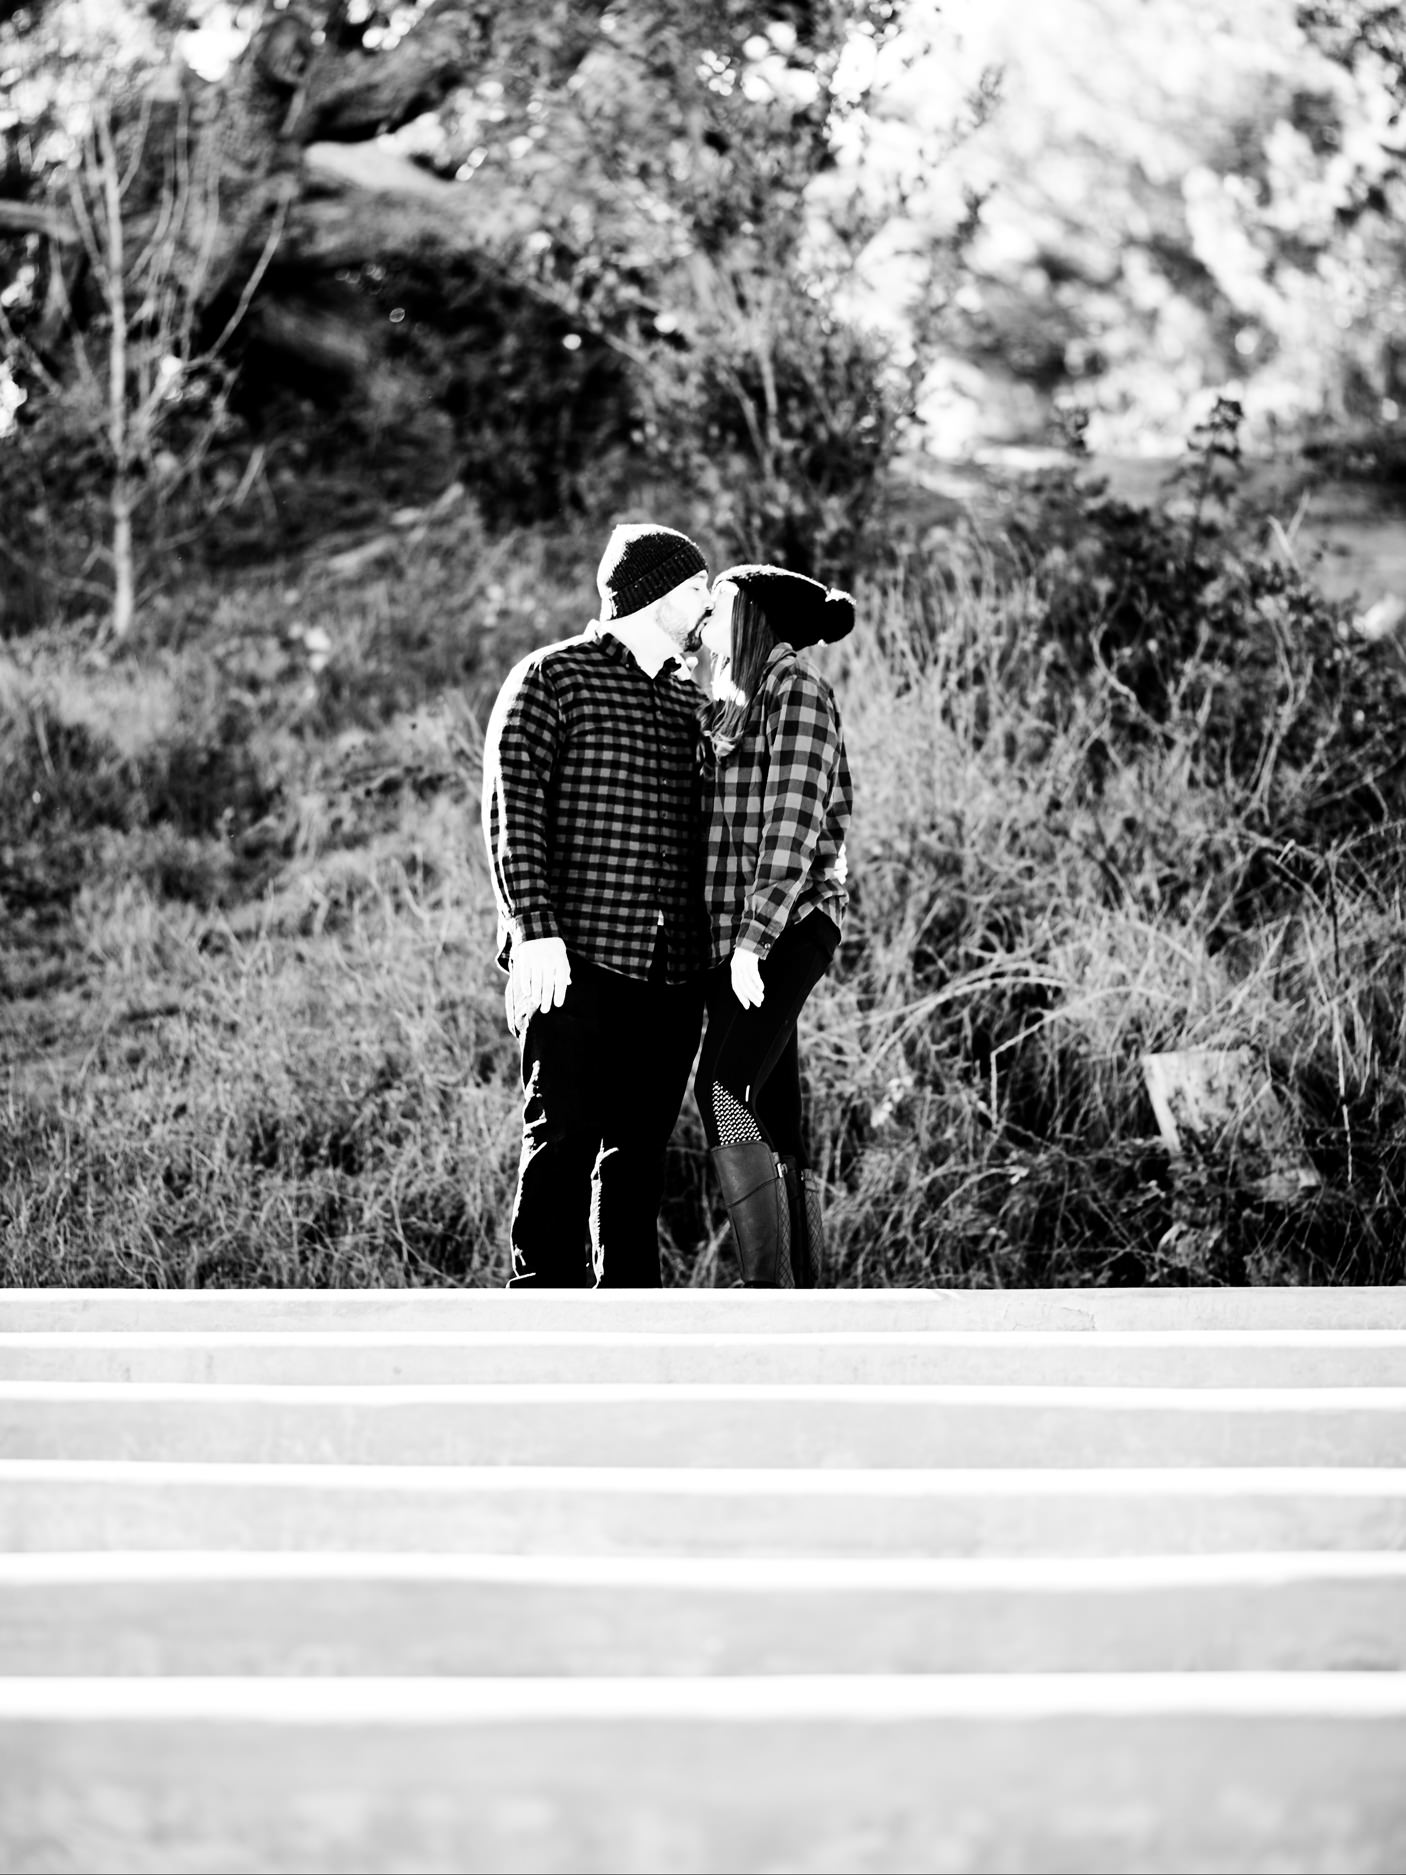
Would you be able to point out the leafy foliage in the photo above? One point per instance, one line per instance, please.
(634, 299)
(682, 243)
(1206, 633)
(1241, 226)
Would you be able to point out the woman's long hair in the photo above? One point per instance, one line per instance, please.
(753, 642)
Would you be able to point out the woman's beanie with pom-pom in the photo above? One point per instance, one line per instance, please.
(800, 610)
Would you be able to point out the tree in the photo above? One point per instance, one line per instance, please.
(159, 368)
(638, 171)
(1178, 196)
(1359, 33)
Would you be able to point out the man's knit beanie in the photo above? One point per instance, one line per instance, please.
(640, 564)
(799, 610)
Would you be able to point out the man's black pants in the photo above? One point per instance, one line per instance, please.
(603, 1079)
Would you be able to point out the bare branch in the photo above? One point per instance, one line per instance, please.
(32, 218)
(251, 285)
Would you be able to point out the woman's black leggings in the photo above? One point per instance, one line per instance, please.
(748, 1083)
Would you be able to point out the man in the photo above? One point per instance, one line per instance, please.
(591, 813)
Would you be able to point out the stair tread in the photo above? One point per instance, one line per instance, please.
(411, 1700)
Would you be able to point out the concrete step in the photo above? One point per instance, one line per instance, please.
(421, 1357)
(851, 1426)
(1037, 1772)
(282, 1612)
(704, 1310)
(75, 1504)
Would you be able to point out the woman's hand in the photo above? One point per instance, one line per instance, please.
(747, 985)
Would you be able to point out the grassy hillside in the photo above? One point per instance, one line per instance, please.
(251, 1031)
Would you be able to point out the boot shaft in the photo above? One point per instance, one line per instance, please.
(814, 1229)
(754, 1191)
(807, 1224)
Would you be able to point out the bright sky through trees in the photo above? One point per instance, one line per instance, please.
(1161, 186)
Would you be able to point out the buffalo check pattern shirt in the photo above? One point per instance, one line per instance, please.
(592, 810)
(778, 808)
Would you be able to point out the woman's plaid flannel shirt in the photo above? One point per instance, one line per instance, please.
(778, 808)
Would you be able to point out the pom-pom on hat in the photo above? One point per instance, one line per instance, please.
(640, 564)
(800, 610)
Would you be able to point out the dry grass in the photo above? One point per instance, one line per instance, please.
(252, 1032)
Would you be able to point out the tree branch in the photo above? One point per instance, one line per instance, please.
(372, 201)
(362, 95)
(32, 218)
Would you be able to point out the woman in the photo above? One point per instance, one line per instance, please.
(778, 803)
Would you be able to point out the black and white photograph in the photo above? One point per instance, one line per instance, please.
(745, 658)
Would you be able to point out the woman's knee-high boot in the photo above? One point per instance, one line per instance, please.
(754, 1191)
(795, 1205)
(795, 1210)
(814, 1227)
(807, 1224)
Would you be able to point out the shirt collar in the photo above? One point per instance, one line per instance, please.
(644, 641)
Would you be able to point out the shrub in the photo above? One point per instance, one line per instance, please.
(780, 420)
(1203, 637)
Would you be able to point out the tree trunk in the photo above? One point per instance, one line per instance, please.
(124, 577)
(109, 179)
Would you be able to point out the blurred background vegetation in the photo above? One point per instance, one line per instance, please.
(334, 341)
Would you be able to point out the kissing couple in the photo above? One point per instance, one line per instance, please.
(665, 803)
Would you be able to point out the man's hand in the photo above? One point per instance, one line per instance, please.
(747, 985)
(538, 975)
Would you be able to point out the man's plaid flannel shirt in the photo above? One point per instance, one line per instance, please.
(592, 809)
(779, 806)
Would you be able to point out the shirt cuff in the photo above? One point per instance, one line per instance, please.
(531, 925)
(755, 937)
